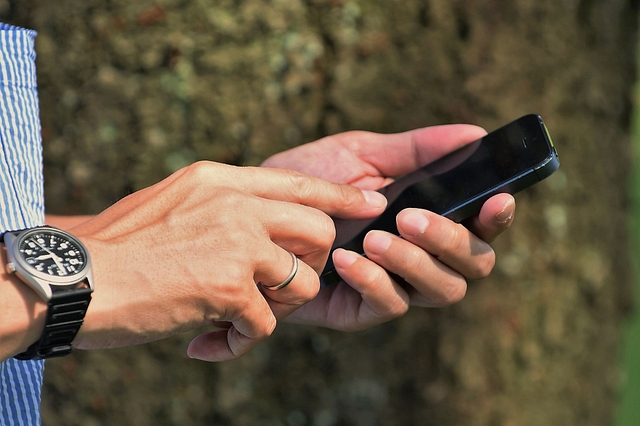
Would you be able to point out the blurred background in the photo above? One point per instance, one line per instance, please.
(629, 408)
(132, 91)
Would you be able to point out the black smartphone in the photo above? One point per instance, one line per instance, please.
(508, 159)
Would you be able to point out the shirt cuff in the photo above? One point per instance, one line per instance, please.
(17, 55)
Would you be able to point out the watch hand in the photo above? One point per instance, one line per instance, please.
(59, 264)
(44, 256)
(43, 248)
(56, 259)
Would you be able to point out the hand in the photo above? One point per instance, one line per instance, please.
(188, 252)
(434, 255)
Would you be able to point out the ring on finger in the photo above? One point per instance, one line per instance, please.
(290, 278)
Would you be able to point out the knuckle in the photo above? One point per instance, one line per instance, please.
(269, 326)
(262, 328)
(453, 240)
(310, 289)
(342, 197)
(348, 195)
(484, 265)
(397, 309)
(347, 198)
(305, 287)
(455, 292)
(200, 171)
(326, 230)
(321, 231)
(301, 184)
(228, 199)
(260, 331)
(394, 306)
(414, 259)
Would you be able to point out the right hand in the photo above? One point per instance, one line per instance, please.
(190, 250)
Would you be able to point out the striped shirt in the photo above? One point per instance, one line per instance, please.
(21, 197)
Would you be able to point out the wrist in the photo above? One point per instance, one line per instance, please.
(22, 314)
(49, 285)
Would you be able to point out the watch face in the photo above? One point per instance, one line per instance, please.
(52, 253)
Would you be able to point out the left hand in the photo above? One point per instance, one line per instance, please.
(434, 256)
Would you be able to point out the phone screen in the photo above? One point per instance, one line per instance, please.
(508, 159)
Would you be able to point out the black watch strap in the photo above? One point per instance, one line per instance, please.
(65, 314)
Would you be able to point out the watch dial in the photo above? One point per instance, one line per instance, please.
(52, 254)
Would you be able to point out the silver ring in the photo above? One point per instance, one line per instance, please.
(286, 282)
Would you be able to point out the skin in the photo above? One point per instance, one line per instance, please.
(435, 256)
(189, 251)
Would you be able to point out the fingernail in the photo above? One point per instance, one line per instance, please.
(344, 258)
(378, 242)
(414, 223)
(506, 213)
(375, 199)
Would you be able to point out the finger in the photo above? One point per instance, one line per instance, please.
(288, 284)
(436, 283)
(450, 242)
(251, 326)
(401, 153)
(339, 200)
(496, 216)
(383, 298)
(305, 231)
(221, 345)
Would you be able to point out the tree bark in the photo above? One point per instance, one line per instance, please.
(131, 91)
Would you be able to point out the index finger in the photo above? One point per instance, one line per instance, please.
(340, 200)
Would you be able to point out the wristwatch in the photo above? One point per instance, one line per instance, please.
(56, 265)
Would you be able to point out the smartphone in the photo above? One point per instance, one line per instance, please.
(456, 186)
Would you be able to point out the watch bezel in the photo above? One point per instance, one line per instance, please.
(39, 281)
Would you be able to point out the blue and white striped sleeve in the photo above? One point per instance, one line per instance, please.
(21, 197)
